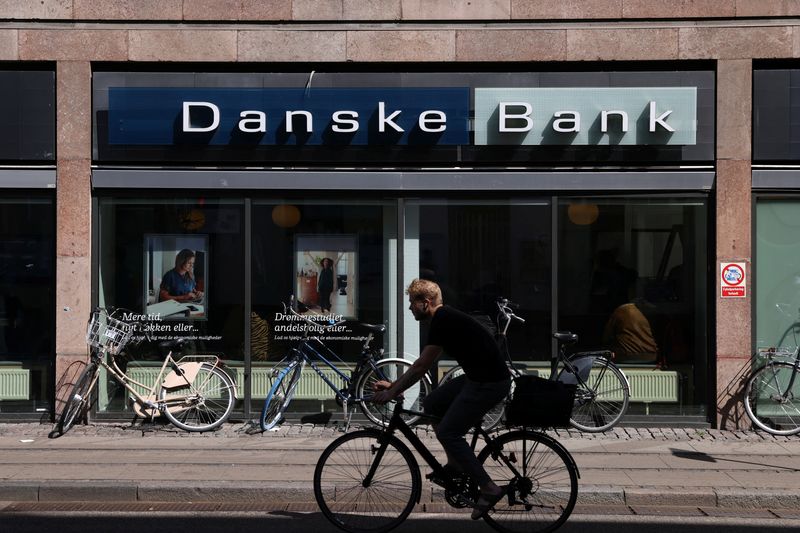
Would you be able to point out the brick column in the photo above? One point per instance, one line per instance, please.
(73, 235)
(733, 192)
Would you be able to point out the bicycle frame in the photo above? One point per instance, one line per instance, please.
(396, 423)
(313, 347)
(795, 367)
(150, 401)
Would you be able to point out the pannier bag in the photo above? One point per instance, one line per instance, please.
(540, 403)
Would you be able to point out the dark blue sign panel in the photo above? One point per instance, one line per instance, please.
(288, 117)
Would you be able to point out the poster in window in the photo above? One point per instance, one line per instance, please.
(176, 274)
(325, 274)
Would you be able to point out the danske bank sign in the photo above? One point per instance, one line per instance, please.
(402, 116)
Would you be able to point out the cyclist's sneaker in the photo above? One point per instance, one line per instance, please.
(487, 501)
(451, 471)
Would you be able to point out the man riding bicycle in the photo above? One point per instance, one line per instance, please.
(463, 401)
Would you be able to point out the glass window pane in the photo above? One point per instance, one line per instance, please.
(632, 278)
(339, 260)
(180, 263)
(27, 303)
(477, 252)
(778, 272)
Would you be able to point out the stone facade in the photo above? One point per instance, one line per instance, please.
(75, 33)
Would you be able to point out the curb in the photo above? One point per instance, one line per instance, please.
(302, 492)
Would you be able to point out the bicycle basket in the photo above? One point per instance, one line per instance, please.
(540, 403)
(108, 333)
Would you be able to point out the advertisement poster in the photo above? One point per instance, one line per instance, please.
(176, 274)
(325, 275)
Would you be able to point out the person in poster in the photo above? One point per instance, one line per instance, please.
(179, 283)
(325, 284)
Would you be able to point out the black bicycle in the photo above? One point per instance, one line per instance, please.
(603, 391)
(369, 481)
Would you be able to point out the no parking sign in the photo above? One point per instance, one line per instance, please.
(732, 279)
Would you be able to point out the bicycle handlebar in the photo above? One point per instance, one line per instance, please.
(290, 309)
(506, 308)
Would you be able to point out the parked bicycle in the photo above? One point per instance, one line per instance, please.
(368, 481)
(603, 391)
(772, 394)
(194, 392)
(369, 368)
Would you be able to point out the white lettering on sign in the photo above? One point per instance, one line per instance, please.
(343, 121)
(585, 116)
(660, 120)
(604, 120)
(187, 117)
(506, 116)
(290, 120)
(432, 121)
(573, 118)
(383, 120)
(256, 124)
(515, 117)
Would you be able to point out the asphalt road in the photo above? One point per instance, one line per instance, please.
(296, 522)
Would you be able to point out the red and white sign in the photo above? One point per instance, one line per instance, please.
(733, 280)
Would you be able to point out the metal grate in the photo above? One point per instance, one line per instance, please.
(15, 384)
(310, 387)
(648, 385)
(653, 385)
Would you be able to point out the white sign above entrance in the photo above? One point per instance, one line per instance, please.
(586, 116)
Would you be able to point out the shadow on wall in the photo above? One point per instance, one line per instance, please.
(730, 401)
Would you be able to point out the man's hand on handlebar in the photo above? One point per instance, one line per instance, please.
(383, 393)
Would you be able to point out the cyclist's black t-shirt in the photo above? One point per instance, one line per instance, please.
(468, 342)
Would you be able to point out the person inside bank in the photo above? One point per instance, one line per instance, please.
(629, 334)
(179, 283)
(325, 284)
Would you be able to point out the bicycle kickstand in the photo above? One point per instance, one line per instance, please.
(348, 415)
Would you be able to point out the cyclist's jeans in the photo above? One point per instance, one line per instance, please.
(461, 403)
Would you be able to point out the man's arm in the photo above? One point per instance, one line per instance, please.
(414, 373)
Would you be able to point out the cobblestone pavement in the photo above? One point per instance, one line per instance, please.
(250, 428)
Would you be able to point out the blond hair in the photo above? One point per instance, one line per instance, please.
(423, 289)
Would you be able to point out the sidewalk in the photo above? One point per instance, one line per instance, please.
(713, 470)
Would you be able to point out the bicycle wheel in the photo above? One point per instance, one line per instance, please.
(601, 400)
(202, 405)
(378, 506)
(768, 401)
(391, 370)
(494, 415)
(542, 479)
(79, 399)
(280, 394)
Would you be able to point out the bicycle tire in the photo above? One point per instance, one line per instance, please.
(382, 505)
(543, 496)
(280, 394)
(205, 404)
(602, 400)
(79, 398)
(390, 369)
(493, 416)
(764, 399)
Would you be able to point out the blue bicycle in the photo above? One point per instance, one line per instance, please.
(369, 368)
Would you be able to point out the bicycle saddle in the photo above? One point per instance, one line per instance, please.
(566, 336)
(172, 345)
(375, 328)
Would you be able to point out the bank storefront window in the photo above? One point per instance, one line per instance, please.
(338, 259)
(178, 265)
(27, 303)
(632, 278)
(778, 272)
(478, 251)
